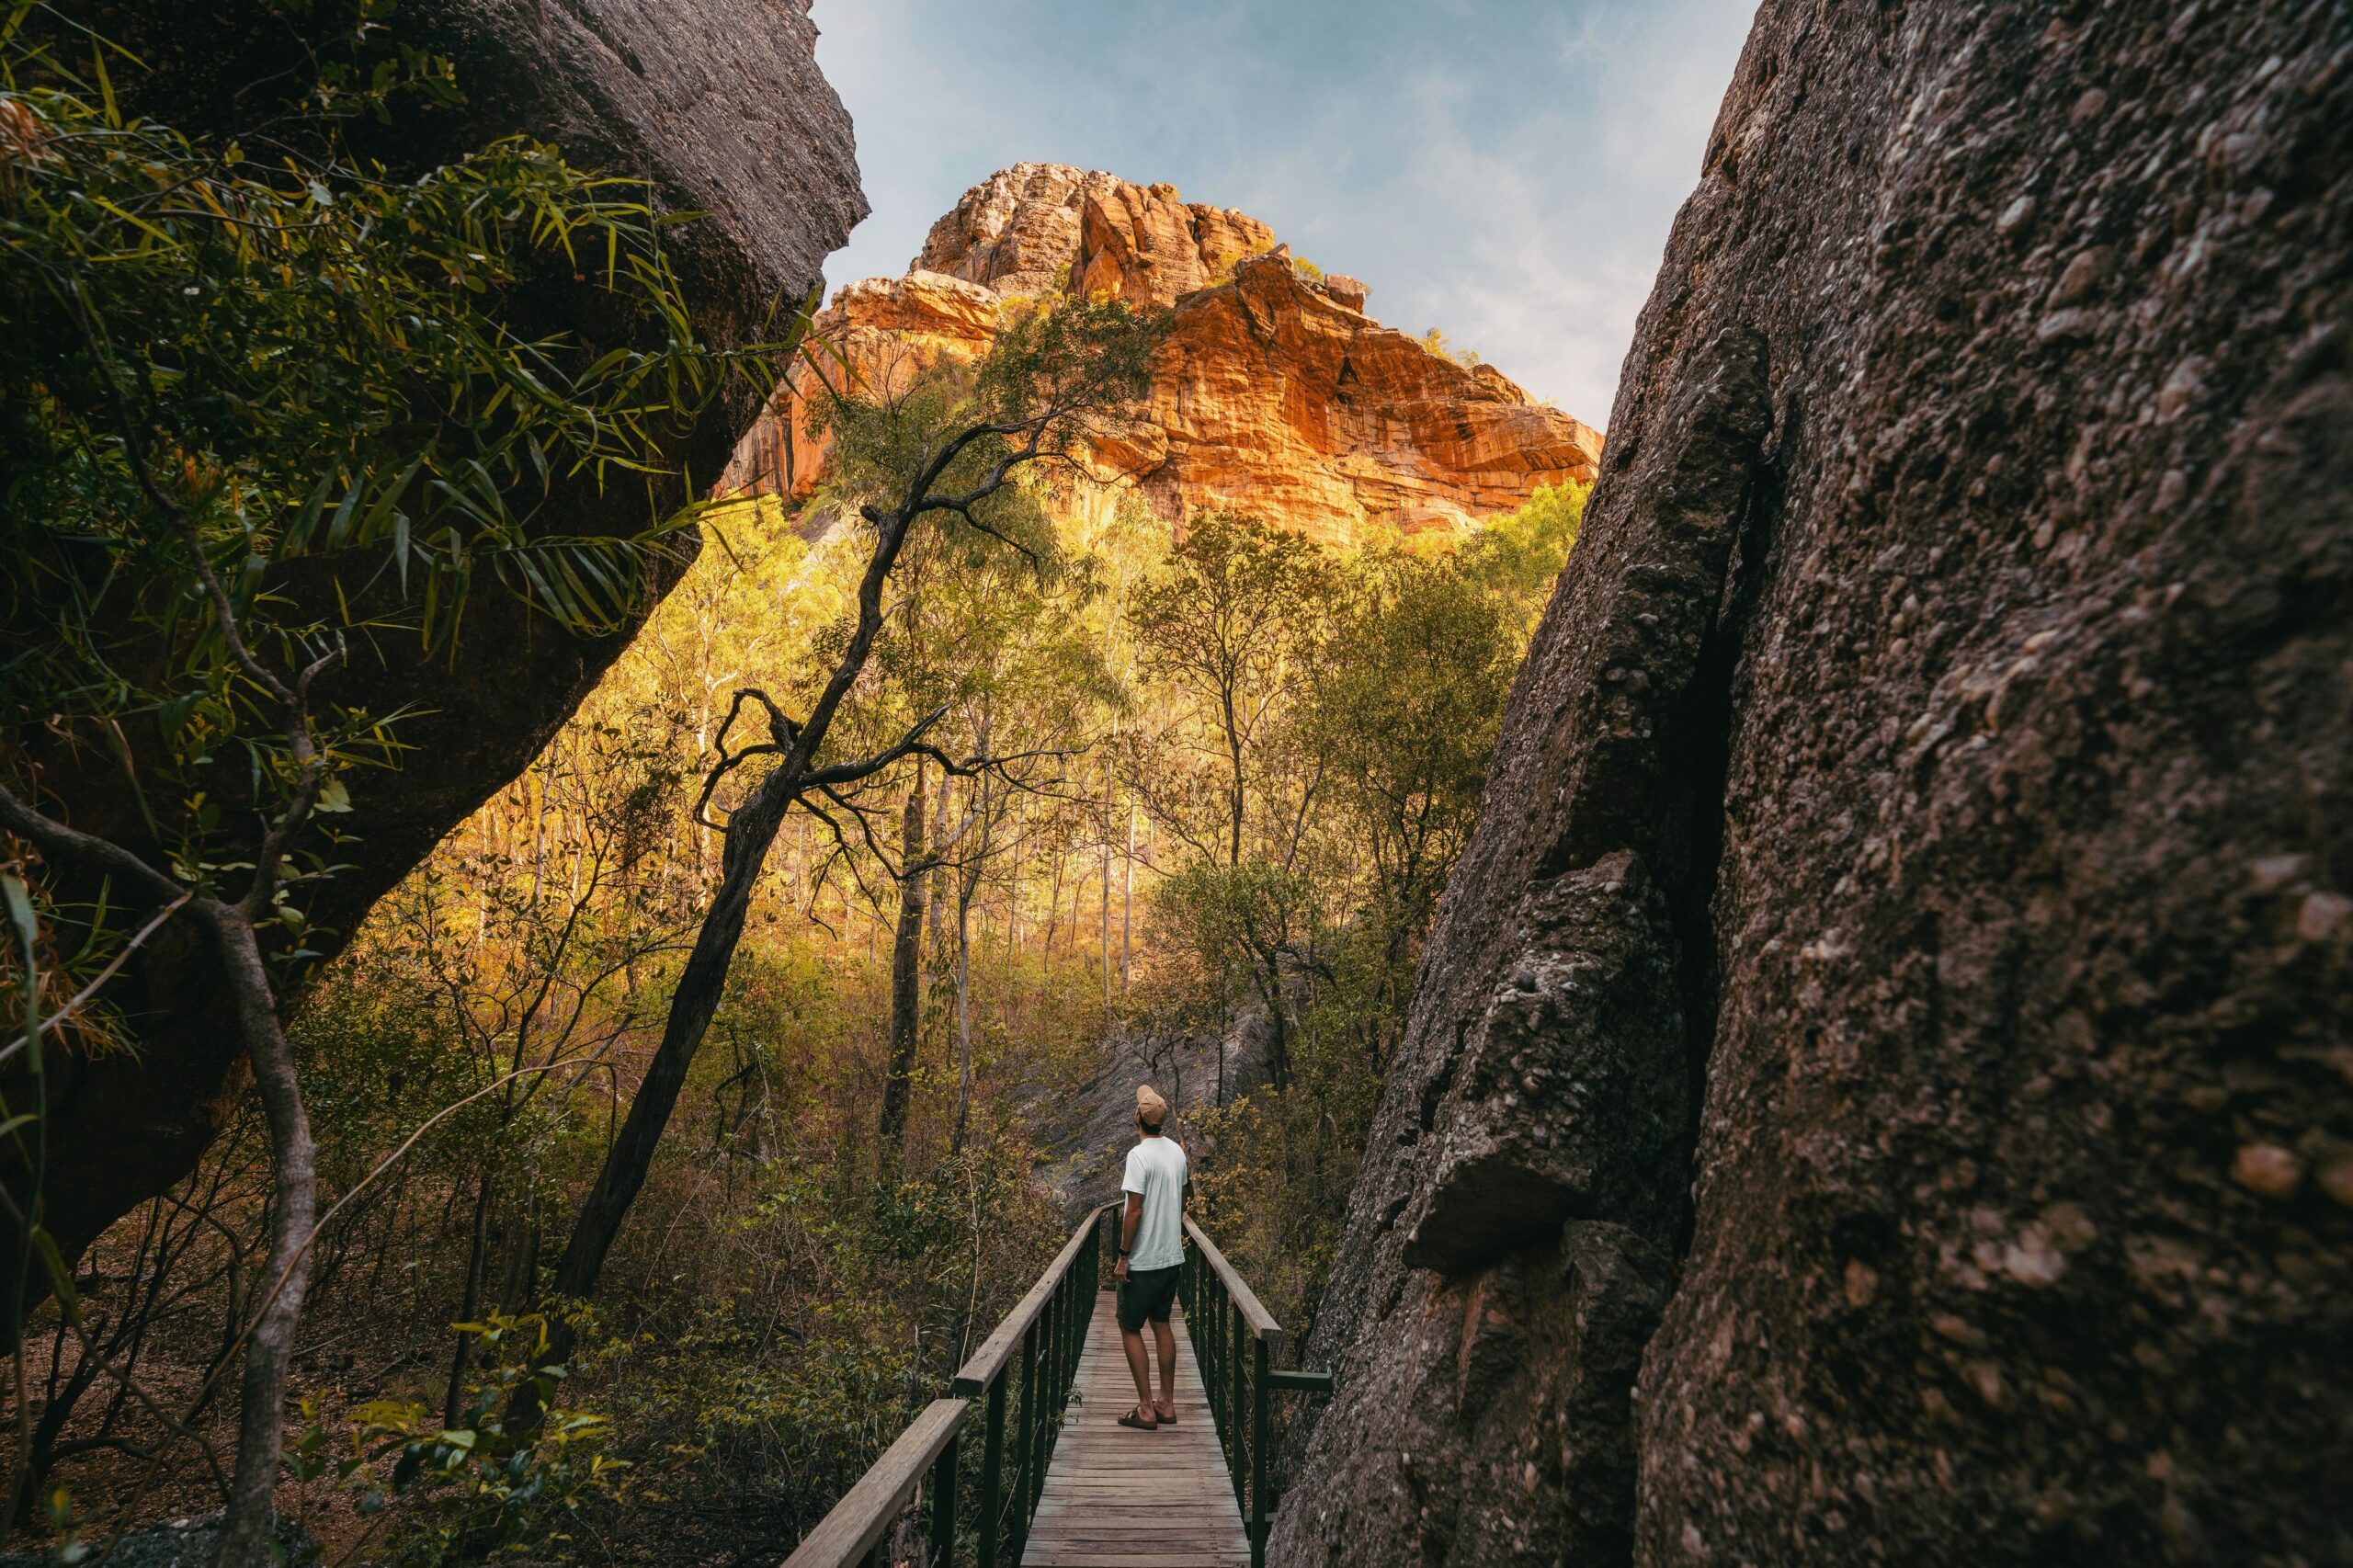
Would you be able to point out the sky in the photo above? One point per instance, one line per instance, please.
(1503, 170)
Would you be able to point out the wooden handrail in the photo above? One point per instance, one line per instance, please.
(1035, 1351)
(1261, 1322)
(868, 1510)
(1042, 1338)
(1235, 1339)
(985, 1365)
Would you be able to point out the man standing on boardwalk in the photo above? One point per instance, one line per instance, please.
(1151, 1251)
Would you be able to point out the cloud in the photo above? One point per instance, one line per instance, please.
(1505, 170)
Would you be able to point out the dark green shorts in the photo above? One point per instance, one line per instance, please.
(1149, 1293)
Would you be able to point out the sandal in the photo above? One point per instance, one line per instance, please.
(1130, 1420)
(1167, 1420)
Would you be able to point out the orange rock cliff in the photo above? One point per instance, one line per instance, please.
(1274, 395)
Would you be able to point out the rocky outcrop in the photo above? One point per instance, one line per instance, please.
(1879, 1089)
(1275, 393)
(718, 105)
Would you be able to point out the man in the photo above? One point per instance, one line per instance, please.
(1152, 1250)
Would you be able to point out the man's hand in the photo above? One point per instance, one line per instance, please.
(1119, 1271)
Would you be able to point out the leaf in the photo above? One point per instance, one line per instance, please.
(412, 1460)
(339, 528)
(61, 1279)
(298, 532)
(333, 796)
(20, 914)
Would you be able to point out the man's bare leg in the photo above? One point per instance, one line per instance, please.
(1140, 1367)
(1167, 1338)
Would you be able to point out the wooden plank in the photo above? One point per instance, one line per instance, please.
(1116, 1497)
(867, 1510)
(1262, 1321)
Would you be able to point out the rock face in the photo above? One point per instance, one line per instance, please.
(720, 106)
(1880, 1087)
(1275, 393)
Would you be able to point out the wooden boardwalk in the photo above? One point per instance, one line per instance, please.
(1119, 1499)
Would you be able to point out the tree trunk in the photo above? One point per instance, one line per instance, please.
(701, 982)
(906, 981)
(982, 816)
(963, 1012)
(1128, 900)
(1270, 980)
(469, 1299)
(246, 1534)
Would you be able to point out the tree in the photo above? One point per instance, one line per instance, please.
(943, 451)
(1404, 726)
(1233, 623)
(1519, 556)
(907, 975)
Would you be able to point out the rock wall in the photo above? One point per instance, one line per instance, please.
(1275, 393)
(1880, 1088)
(720, 106)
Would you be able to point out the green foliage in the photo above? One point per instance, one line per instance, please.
(1061, 377)
(1407, 720)
(471, 1488)
(1233, 916)
(1436, 342)
(1232, 627)
(1398, 665)
(320, 382)
(1519, 555)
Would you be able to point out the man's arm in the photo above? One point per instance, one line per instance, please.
(1129, 1223)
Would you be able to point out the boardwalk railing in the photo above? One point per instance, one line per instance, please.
(1040, 1338)
(1021, 1377)
(1236, 1341)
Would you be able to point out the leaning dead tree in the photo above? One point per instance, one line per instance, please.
(944, 451)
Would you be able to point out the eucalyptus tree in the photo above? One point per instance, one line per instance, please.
(1232, 627)
(939, 451)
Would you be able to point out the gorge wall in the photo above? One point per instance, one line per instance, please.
(1275, 393)
(1880, 1088)
(750, 136)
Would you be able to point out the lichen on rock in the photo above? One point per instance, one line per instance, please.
(1976, 696)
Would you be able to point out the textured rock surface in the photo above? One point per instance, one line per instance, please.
(1961, 638)
(720, 105)
(1275, 393)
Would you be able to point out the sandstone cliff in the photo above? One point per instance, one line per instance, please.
(1880, 1088)
(1276, 395)
(718, 105)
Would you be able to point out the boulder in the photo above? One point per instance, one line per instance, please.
(718, 105)
(1274, 394)
(1959, 637)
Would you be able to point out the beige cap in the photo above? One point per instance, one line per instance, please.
(1149, 1108)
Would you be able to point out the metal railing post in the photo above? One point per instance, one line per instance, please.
(1261, 1507)
(1057, 1312)
(993, 1474)
(1218, 1320)
(943, 1506)
(1025, 1442)
(1205, 1346)
(1238, 1328)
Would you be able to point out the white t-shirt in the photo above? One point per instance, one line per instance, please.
(1156, 1169)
